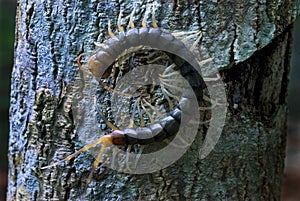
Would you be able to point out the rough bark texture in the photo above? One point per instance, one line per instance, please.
(250, 40)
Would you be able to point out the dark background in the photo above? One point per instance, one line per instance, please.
(291, 186)
(7, 27)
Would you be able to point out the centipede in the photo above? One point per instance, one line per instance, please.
(143, 39)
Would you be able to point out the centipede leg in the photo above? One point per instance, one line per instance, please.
(165, 87)
(183, 33)
(169, 68)
(110, 33)
(114, 157)
(205, 61)
(212, 79)
(137, 156)
(155, 59)
(184, 40)
(196, 42)
(128, 150)
(111, 90)
(192, 34)
(153, 108)
(154, 24)
(172, 80)
(142, 123)
(170, 86)
(120, 27)
(108, 123)
(131, 24)
(169, 72)
(144, 23)
(131, 121)
(212, 102)
(148, 113)
(167, 90)
(167, 96)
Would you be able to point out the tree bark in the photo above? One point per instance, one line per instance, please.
(250, 42)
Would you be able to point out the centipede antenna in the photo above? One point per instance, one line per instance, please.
(120, 28)
(95, 165)
(79, 58)
(106, 141)
(131, 24)
(154, 24)
(68, 158)
(110, 33)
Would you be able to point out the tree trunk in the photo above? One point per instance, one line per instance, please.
(250, 42)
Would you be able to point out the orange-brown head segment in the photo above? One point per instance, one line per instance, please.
(118, 137)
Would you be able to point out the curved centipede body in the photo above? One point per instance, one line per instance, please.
(154, 38)
(138, 38)
(143, 38)
(157, 39)
(166, 127)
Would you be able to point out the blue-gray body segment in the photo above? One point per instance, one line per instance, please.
(145, 37)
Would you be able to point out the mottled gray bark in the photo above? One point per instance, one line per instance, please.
(250, 41)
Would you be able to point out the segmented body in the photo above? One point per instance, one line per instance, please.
(153, 38)
(187, 66)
